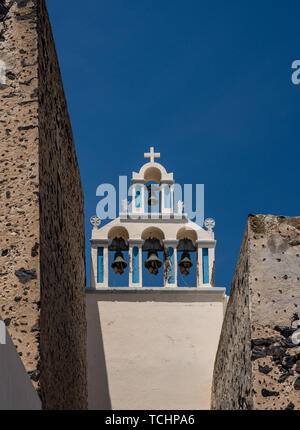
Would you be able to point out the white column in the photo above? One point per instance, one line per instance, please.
(93, 266)
(135, 243)
(106, 266)
(175, 266)
(199, 274)
(211, 262)
(167, 211)
(141, 263)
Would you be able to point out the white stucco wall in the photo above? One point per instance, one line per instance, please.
(16, 389)
(152, 349)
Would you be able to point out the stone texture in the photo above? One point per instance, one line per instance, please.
(41, 211)
(256, 362)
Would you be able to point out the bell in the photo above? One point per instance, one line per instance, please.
(153, 263)
(119, 264)
(186, 245)
(152, 199)
(185, 264)
(118, 244)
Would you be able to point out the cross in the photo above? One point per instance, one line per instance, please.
(152, 155)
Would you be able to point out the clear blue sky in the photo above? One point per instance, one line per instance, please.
(207, 83)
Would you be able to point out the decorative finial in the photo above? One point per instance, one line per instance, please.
(180, 206)
(210, 224)
(152, 155)
(95, 221)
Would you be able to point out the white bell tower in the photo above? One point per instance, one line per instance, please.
(163, 227)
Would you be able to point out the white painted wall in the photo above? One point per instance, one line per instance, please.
(16, 389)
(152, 349)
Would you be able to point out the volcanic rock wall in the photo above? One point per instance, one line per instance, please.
(258, 360)
(42, 269)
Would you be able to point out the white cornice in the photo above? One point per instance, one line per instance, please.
(99, 241)
(206, 243)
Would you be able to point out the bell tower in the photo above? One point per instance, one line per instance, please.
(152, 340)
(153, 222)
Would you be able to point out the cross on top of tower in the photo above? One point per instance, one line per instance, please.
(152, 155)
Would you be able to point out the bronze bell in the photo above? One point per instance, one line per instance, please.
(185, 264)
(119, 264)
(152, 198)
(153, 263)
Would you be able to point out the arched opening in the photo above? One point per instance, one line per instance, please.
(153, 200)
(187, 233)
(187, 254)
(152, 174)
(153, 257)
(153, 233)
(118, 258)
(118, 231)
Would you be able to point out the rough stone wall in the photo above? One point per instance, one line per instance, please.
(19, 183)
(233, 359)
(63, 322)
(41, 211)
(272, 248)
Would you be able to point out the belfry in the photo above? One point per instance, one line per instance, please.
(153, 223)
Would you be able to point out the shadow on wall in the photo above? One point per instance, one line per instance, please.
(97, 372)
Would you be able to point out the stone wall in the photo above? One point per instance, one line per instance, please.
(42, 268)
(257, 364)
(233, 360)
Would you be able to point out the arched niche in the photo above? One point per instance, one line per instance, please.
(187, 233)
(187, 248)
(153, 233)
(152, 174)
(119, 232)
(116, 280)
(153, 237)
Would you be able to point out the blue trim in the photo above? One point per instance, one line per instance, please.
(100, 266)
(135, 265)
(205, 266)
(171, 278)
(168, 203)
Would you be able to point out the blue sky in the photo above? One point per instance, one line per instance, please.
(207, 83)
